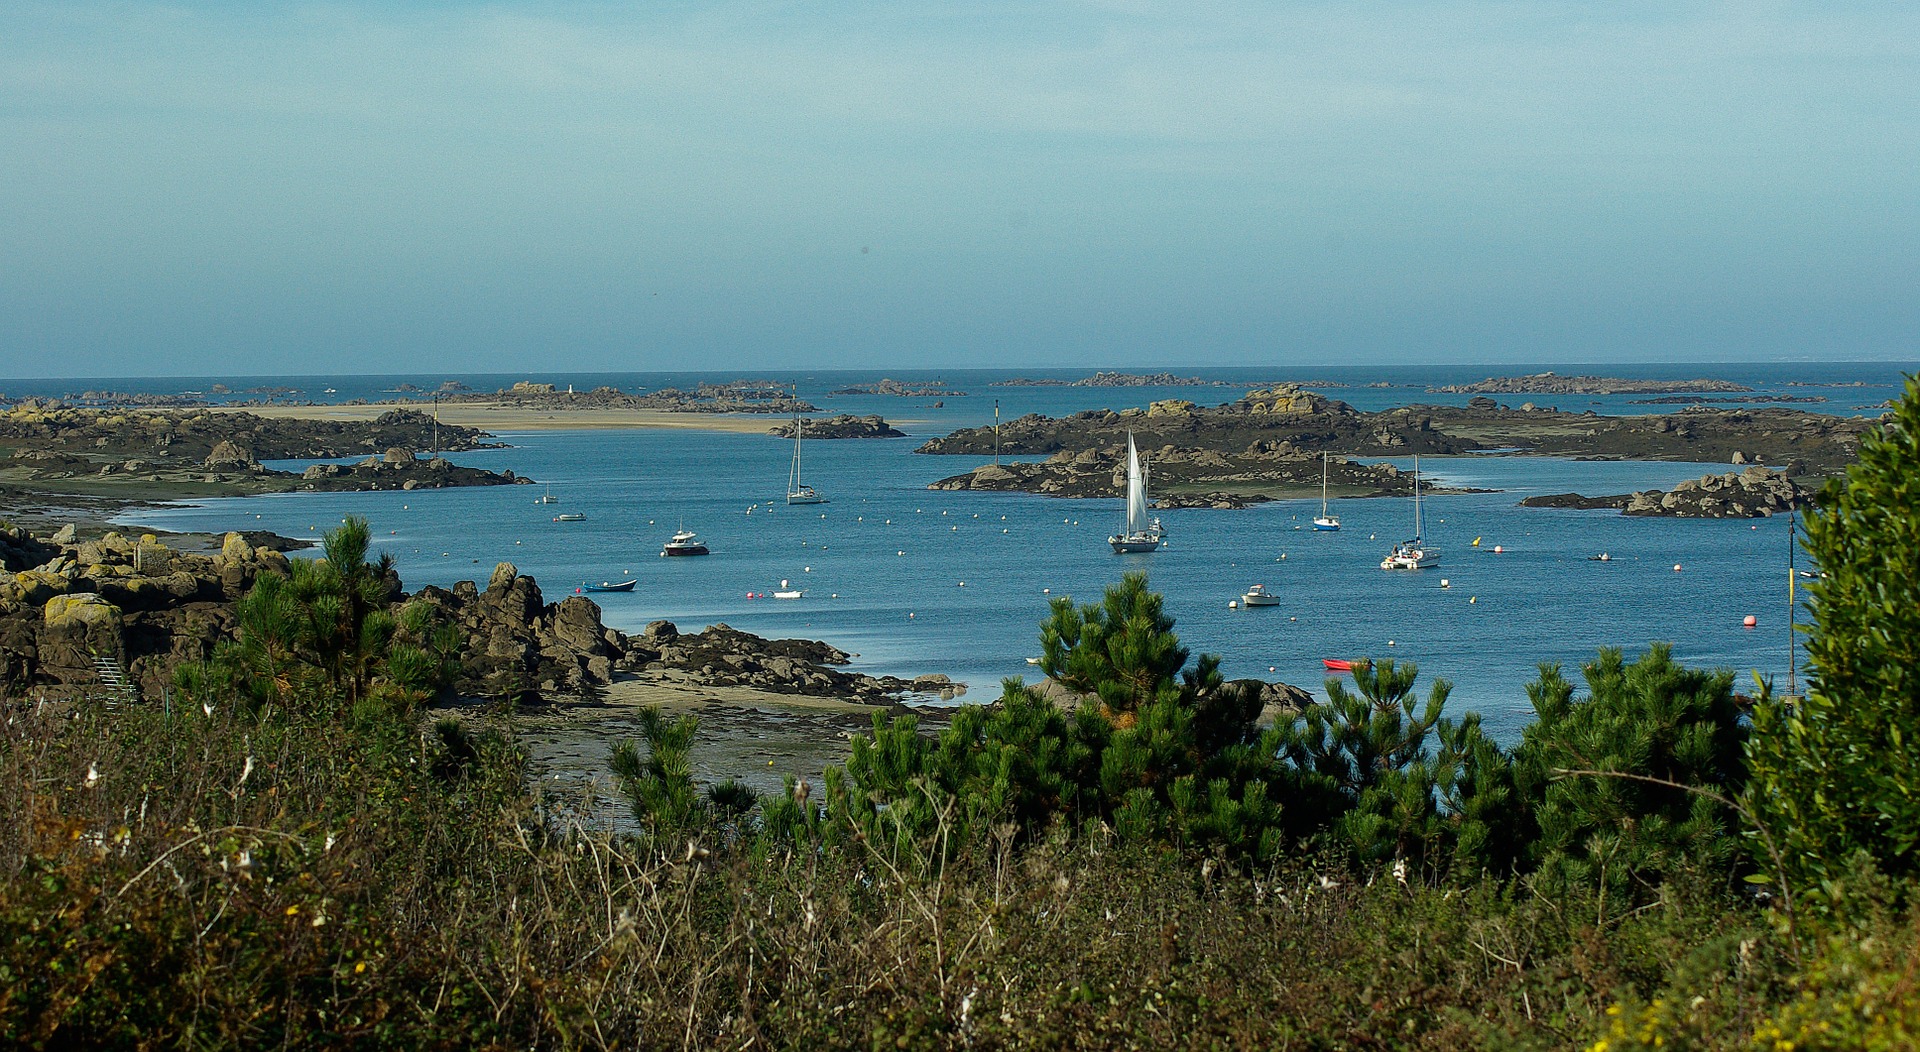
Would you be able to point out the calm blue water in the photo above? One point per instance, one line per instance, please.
(915, 581)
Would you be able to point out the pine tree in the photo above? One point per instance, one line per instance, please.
(1650, 718)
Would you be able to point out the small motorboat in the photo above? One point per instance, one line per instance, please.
(789, 593)
(1337, 665)
(610, 586)
(1603, 557)
(1257, 595)
(569, 516)
(684, 543)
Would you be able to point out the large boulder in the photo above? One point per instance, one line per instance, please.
(227, 453)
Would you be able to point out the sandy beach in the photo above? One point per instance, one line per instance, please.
(496, 417)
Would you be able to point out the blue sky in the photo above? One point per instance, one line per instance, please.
(412, 187)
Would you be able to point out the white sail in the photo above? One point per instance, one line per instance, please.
(798, 492)
(1136, 490)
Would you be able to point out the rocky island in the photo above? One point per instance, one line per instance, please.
(846, 425)
(1184, 478)
(1551, 383)
(152, 454)
(896, 389)
(1115, 380)
(738, 396)
(1754, 493)
(1269, 442)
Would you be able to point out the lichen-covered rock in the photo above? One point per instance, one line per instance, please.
(83, 609)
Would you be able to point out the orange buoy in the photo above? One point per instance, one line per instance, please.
(1750, 621)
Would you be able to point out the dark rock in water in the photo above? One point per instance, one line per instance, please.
(1275, 697)
(845, 425)
(1576, 501)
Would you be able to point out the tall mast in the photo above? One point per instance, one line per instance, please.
(1323, 485)
(793, 477)
(996, 432)
(1419, 530)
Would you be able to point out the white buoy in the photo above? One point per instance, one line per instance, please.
(1444, 583)
(963, 584)
(1676, 567)
(1233, 604)
(1283, 555)
(901, 552)
(1389, 642)
(806, 569)
(783, 582)
(1498, 549)
(1293, 619)
(1473, 599)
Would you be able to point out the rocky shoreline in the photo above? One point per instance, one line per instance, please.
(1753, 493)
(1270, 440)
(76, 613)
(1187, 478)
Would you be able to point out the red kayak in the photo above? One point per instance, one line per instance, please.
(1337, 665)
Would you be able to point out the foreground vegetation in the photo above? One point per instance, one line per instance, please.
(290, 855)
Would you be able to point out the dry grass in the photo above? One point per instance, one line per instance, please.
(239, 880)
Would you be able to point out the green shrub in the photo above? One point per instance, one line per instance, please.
(1834, 772)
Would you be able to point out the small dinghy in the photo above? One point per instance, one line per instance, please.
(1337, 665)
(610, 586)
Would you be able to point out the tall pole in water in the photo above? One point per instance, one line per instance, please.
(996, 432)
(1793, 651)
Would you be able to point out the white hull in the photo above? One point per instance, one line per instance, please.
(1259, 596)
(1411, 559)
(1129, 544)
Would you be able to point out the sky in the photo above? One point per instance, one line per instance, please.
(266, 187)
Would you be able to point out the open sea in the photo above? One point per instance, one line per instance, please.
(914, 581)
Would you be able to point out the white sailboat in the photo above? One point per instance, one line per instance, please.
(548, 499)
(799, 492)
(1325, 521)
(1142, 534)
(1415, 554)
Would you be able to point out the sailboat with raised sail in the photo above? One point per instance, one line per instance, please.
(1142, 534)
(799, 492)
(1325, 521)
(1415, 554)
